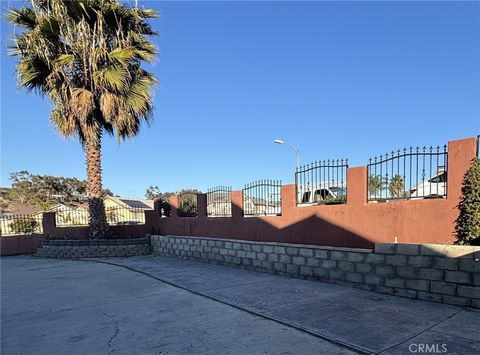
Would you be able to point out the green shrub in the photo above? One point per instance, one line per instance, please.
(24, 226)
(166, 208)
(333, 200)
(467, 225)
(187, 203)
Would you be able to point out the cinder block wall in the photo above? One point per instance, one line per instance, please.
(93, 248)
(440, 273)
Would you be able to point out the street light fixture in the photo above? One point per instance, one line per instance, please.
(297, 152)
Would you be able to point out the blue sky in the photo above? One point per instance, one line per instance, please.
(338, 80)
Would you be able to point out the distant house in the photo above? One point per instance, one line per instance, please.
(70, 215)
(260, 206)
(219, 204)
(123, 210)
(28, 222)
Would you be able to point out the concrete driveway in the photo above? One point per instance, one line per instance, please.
(157, 305)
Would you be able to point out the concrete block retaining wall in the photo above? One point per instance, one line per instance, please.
(93, 248)
(440, 273)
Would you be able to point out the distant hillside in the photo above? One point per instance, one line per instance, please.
(32, 193)
(11, 205)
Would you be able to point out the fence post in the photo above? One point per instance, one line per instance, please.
(289, 199)
(237, 204)
(202, 205)
(173, 206)
(48, 223)
(157, 205)
(357, 186)
(151, 217)
(460, 155)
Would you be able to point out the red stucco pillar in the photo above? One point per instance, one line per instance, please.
(152, 220)
(48, 223)
(357, 186)
(174, 206)
(202, 205)
(288, 198)
(237, 205)
(460, 156)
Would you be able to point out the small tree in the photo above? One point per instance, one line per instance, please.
(187, 202)
(374, 185)
(396, 186)
(22, 186)
(467, 225)
(24, 226)
(152, 192)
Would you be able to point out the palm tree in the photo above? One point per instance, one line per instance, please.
(86, 56)
(396, 186)
(374, 185)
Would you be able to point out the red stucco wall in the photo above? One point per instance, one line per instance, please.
(355, 224)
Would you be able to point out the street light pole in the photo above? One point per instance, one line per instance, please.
(297, 152)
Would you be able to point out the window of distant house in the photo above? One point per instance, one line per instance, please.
(306, 197)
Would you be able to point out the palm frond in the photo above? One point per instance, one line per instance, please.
(24, 17)
(122, 55)
(114, 77)
(48, 27)
(109, 106)
(64, 124)
(86, 56)
(147, 13)
(81, 104)
(66, 59)
(32, 73)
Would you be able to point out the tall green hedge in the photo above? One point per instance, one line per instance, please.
(467, 224)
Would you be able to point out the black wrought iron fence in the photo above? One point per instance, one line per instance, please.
(187, 204)
(219, 201)
(263, 197)
(322, 182)
(412, 173)
(125, 215)
(66, 216)
(20, 224)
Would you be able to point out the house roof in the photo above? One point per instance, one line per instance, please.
(132, 202)
(68, 206)
(263, 202)
(219, 197)
(59, 206)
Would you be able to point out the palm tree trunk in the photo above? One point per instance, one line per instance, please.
(97, 221)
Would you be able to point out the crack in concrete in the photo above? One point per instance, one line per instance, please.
(48, 267)
(115, 322)
(208, 294)
(422, 332)
(342, 344)
(456, 336)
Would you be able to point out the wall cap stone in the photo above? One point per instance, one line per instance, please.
(438, 250)
(243, 241)
(450, 251)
